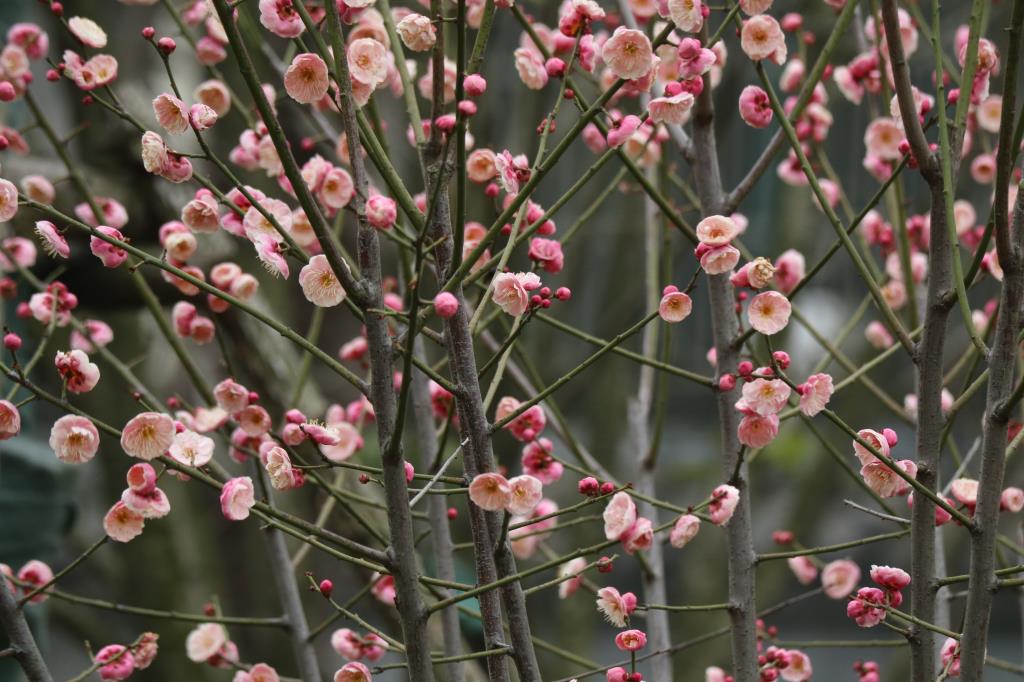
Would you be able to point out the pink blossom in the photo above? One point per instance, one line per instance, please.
(886, 482)
(123, 524)
(631, 640)
(769, 312)
(205, 641)
(353, 671)
(628, 53)
(74, 439)
(511, 291)
(171, 113)
(530, 66)
(53, 241)
(755, 108)
(214, 94)
(237, 498)
(96, 334)
(866, 608)
(347, 643)
(417, 32)
(615, 607)
(525, 493)
(367, 62)
(673, 110)
(88, 31)
(480, 165)
(724, 499)
(1011, 500)
(815, 394)
(685, 14)
(10, 420)
(36, 574)
(38, 188)
(490, 492)
(261, 672)
(111, 256)
(619, 516)
(147, 435)
(762, 38)
(446, 305)
(381, 211)
(951, 657)
(547, 253)
(78, 373)
(799, 668)
(878, 336)
(717, 230)
(882, 139)
(537, 461)
(280, 18)
(876, 440)
(719, 260)
(640, 536)
(511, 170)
(571, 574)
(675, 307)
(383, 588)
(306, 79)
(839, 578)
(191, 448)
(319, 284)
(893, 579)
(756, 431)
(764, 397)
(622, 130)
(803, 568)
(30, 38)
(118, 662)
(685, 529)
(965, 491)
(146, 650)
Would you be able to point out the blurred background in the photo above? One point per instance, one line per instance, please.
(53, 512)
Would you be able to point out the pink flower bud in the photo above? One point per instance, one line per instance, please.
(166, 45)
(890, 437)
(726, 382)
(12, 342)
(445, 305)
(474, 85)
(7, 92)
(326, 587)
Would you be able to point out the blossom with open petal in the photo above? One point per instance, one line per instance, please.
(306, 79)
(237, 497)
(319, 284)
(147, 435)
(74, 439)
(769, 312)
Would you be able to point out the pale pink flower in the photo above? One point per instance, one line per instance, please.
(675, 306)
(154, 153)
(205, 641)
(10, 420)
(147, 435)
(878, 336)
(619, 516)
(122, 523)
(348, 442)
(530, 66)
(989, 113)
(417, 32)
(29, 37)
(1011, 500)
(686, 528)
(368, 62)
(337, 189)
(799, 668)
(54, 243)
(724, 500)
(882, 139)
(765, 396)
(886, 482)
(511, 170)
(622, 130)
(815, 394)
(756, 431)
(121, 665)
(88, 31)
(752, 7)
(480, 165)
(38, 188)
(279, 468)
(631, 640)
(261, 672)
(171, 113)
(628, 53)
(490, 492)
(525, 493)
(280, 18)
(849, 86)
(141, 478)
(214, 94)
(686, 14)
(152, 504)
(965, 491)
(36, 574)
(876, 440)
(714, 674)
(145, 650)
(640, 536)
(381, 211)
(755, 107)
(615, 607)
(96, 334)
(254, 420)
(769, 312)
(237, 498)
(674, 109)
(571, 574)
(110, 255)
(319, 284)
(511, 291)
(231, 396)
(839, 578)
(306, 79)
(269, 252)
(790, 268)
(717, 230)
(347, 643)
(79, 374)
(803, 568)
(382, 587)
(74, 439)
(353, 671)
(191, 448)
(719, 260)
(8, 200)
(762, 38)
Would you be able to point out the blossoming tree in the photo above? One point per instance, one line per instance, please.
(448, 270)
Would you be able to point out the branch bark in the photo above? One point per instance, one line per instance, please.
(23, 644)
